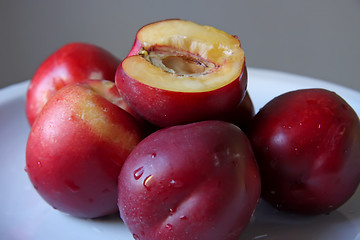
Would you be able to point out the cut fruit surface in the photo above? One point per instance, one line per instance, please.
(180, 55)
(179, 72)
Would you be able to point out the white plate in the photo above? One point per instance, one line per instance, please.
(24, 215)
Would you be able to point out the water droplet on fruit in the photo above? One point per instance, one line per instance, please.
(183, 217)
(216, 161)
(72, 186)
(176, 184)
(172, 211)
(138, 173)
(147, 182)
(39, 164)
(153, 155)
(136, 237)
(71, 118)
(169, 226)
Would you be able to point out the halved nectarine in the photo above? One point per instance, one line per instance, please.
(179, 72)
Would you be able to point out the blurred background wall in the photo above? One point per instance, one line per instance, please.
(316, 38)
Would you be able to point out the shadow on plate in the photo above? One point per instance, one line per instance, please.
(269, 223)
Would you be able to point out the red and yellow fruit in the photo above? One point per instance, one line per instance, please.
(197, 178)
(179, 72)
(77, 147)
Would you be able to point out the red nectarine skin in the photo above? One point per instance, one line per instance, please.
(76, 149)
(74, 62)
(307, 143)
(136, 48)
(242, 114)
(195, 181)
(168, 108)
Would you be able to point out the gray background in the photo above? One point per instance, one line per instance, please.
(316, 38)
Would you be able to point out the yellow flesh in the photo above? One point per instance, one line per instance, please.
(99, 121)
(201, 58)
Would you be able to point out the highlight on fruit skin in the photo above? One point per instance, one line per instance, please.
(187, 182)
(77, 146)
(306, 143)
(179, 72)
(73, 62)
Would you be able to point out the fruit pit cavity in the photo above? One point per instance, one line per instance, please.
(177, 61)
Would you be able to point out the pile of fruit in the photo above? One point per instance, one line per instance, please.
(169, 137)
